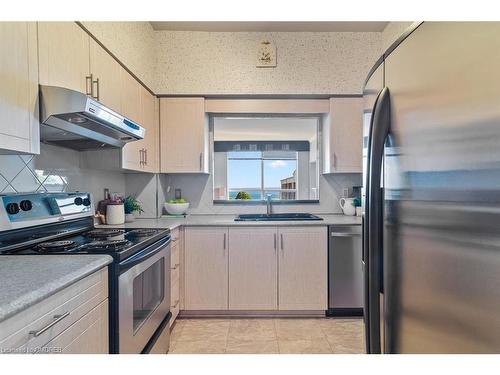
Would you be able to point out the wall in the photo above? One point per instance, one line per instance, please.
(197, 189)
(55, 169)
(133, 43)
(224, 63)
(391, 32)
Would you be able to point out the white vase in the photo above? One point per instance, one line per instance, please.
(129, 218)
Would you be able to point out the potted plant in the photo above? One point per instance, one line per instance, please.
(243, 195)
(131, 205)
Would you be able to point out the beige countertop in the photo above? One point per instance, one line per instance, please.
(228, 220)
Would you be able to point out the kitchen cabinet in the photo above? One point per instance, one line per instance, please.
(141, 155)
(175, 264)
(64, 60)
(73, 320)
(106, 77)
(343, 136)
(19, 127)
(183, 135)
(206, 268)
(302, 262)
(253, 269)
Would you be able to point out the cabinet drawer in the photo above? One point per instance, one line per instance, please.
(174, 256)
(89, 335)
(174, 300)
(174, 275)
(39, 324)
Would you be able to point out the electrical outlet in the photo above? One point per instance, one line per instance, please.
(345, 192)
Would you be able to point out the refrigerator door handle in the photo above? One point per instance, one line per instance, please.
(379, 131)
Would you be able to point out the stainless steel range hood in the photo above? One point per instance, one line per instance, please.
(73, 120)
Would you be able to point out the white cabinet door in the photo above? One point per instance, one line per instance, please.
(253, 269)
(63, 49)
(344, 149)
(19, 128)
(303, 268)
(106, 76)
(183, 135)
(206, 268)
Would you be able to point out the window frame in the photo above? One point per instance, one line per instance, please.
(319, 159)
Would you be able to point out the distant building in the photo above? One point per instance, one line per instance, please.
(289, 183)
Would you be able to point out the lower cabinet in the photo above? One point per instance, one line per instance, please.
(256, 268)
(74, 320)
(303, 268)
(206, 256)
(253, 269)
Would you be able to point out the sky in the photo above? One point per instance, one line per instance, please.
(246, 173)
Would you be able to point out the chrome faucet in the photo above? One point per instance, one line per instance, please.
(269, 204)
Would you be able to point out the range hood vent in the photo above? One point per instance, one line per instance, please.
(73, 120)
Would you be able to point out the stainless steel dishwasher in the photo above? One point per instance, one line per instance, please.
(345, 274)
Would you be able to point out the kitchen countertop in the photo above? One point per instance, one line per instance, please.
(228, 220)
(28, 279)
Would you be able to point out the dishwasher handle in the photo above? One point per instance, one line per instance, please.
(344, 234)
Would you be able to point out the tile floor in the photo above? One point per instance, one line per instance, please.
(268, 336)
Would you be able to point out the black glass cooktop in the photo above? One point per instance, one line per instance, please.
(120, 243)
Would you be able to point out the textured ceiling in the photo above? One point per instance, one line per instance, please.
(271, 26)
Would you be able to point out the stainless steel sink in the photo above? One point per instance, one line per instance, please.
(277, 217)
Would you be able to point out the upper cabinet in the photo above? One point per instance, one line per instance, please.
(106, 78)
(63, 49)
(19, 128)
(183, 135)
(141, 155)
(343, 136)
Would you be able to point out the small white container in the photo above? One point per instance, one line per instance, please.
(347, 205)
(115, 214)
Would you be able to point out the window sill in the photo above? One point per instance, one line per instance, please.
(242, 202)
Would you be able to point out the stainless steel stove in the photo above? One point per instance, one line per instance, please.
(139, 277)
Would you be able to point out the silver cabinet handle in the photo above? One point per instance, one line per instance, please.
(57, 319)
(89, 85)
(224, 243)
(282, 242)
(96, 82)
(141, 157)
(341, 234)
(201, 161)
(334, 160)
(146, 156)
(275, 240)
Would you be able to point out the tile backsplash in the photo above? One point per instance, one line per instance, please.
(58, 169)
(55, 169)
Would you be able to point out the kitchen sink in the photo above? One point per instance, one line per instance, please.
(277, 217)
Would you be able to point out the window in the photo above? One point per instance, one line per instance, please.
(257, 157)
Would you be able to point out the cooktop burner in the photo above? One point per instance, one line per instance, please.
(107, 245)
(55, 246)
(103, 233)
(142, 232)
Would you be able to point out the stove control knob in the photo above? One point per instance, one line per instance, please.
(26, 205)
(78, 201)
(86, 202)
(12, 208)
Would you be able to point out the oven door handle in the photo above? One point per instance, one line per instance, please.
(144, 254)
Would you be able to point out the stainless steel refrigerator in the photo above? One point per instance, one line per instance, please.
(431, 196)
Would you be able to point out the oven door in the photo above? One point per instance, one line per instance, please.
(143, 296)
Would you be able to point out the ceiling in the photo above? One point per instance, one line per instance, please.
(264, 129)
(281, 26)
